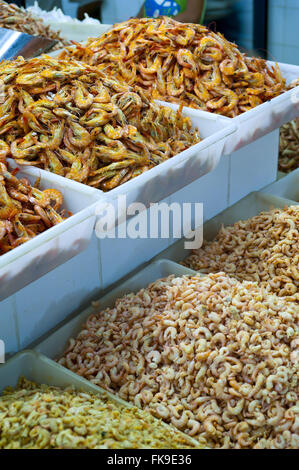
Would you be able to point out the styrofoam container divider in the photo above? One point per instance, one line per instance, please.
(41, 370)
(55, 246)
(286, 187)
(246, 208)
(55, 343)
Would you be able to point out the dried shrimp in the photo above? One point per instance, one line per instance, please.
(289, 146)
(25, 210)
(68, 118)
(182, 63)
(264, 248)
(41, 417)
(215, 357)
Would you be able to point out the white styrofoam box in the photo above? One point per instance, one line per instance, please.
(120, 256)
(249, 206)
(8, 326)
(56, 245)
(286, 187)
(54, 344)
(253, 167)
(41, 370)
(48, 301)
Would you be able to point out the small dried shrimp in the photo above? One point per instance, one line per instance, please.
(68, 118)
(25, 210)
(289, 146)
(264, 248)
(182, 63)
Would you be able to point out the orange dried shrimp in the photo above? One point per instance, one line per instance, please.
(264, 248)
(68, 118)
(182, 63)
(18, 19)
(289, 147)
(25, 210)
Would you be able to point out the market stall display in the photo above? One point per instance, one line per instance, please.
(182, 63)
(202, 353)
(36, 416)
(264, 248)
(68, 118)
(19, 19)
(199, 353)
(289, 147)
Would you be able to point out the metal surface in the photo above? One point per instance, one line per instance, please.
(15, 43)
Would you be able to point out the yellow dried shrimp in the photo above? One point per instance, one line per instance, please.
(18, 19)
(289, 147)
(41, 417)
(216, 358)
(264, 248)
(182, 63)
(25, 210)
(70, 119)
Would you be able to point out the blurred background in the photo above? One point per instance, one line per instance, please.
(267, 28)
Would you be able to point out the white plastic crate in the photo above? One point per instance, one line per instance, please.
(55, 343)
(56, 245)
(41, 370)
(286, 187)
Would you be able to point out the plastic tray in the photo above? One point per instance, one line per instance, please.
(56, 245)
(179, 171)
(40, 369)
(247, 207)
(55, 343)
(287, 186)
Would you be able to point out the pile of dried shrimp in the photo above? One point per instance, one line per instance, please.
(215, 357)
(41, 417)
(182, 63)
(264, 248)
(25, 210)
(68, 118)
(18, 19)
(289, 146)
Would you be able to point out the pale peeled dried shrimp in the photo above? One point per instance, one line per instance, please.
(19, 19)
(25, 210)
(70, 119)
(289, 146)
(264, 248)
(182, 63)
(214, 357)
(41, 417)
